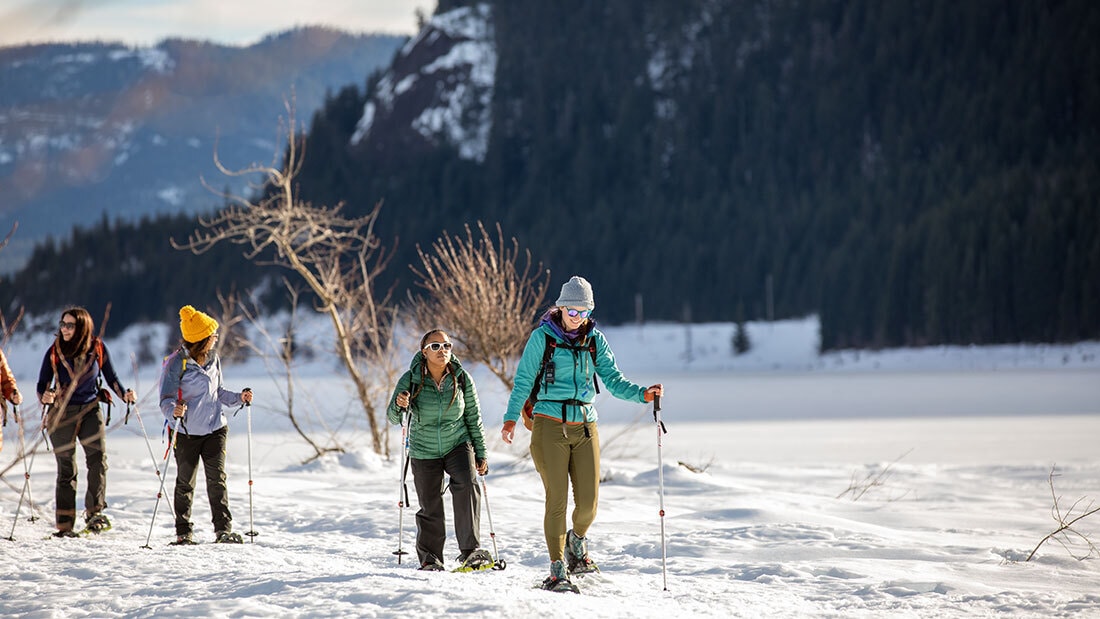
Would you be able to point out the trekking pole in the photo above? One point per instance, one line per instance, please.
(661, 483)
(46, 412)
(248, 416)
(26, 476)
(162, 475)
(498, 563)
(148, 445)
(403, 490)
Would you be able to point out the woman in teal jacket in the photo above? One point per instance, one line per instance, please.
(445, 436)
(565, 443)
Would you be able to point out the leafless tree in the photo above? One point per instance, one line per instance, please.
(1065, 534)
(232, 344)
(283, 348)
(338, 258)
(486, 295)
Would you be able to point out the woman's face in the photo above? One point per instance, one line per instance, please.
(67, 326)
(572, 323)
(437, 349)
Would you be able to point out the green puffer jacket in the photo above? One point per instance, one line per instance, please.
(438, 424)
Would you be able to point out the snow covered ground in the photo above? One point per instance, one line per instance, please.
(965, 439)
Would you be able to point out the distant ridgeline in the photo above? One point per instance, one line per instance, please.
(915, 173)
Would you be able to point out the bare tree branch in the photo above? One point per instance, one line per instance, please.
(338, 259)
(873, 479)
(1068, 537)
(482, 296)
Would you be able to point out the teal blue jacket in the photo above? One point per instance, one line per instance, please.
(441, 420)
(574, 374)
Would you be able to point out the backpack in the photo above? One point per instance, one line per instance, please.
(103, 394)
(547, 377)
(183, 368)
(179, 388)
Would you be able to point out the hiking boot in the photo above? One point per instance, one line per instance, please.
(431, 564)
(474, 560)
(576, 554)
(228, 537)
(66, 533)
(558, 580)
(97, 523)
(183, 540)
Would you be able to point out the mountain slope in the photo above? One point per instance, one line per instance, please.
(87, 129)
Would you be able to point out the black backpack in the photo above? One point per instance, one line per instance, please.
(546, 378)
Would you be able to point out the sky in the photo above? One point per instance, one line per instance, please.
(834, 512)
(235, 22)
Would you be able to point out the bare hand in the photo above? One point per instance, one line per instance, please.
(246, 396)
(483, 467)
(508, 432)
(653, 390)
(402, 399)
(179, 410)
(129, 397)
(16, 397)
(47, 398)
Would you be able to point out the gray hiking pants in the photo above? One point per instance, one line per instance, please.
(211, 449)
(81, 422)
(431, 523)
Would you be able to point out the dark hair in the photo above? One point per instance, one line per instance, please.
(81, 342)
(424, 367)
(200, 350)
(424, 339)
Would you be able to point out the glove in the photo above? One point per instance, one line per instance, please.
(508, 432)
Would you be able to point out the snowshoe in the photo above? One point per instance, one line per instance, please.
(228, 537)
(558, 581)
(96, 523)
(184, 540)
(431, 564)
(475, 561)
(576, 554)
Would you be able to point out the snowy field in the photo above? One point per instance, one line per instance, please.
(964, 438)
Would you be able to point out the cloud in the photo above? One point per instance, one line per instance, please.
(241, 22)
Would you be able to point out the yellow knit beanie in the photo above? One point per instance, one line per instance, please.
(195, 325)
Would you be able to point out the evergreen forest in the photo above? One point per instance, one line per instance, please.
(914, 172)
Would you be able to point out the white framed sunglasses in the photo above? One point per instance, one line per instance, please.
(437, 346)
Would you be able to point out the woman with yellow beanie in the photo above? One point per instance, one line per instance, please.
(191, 390)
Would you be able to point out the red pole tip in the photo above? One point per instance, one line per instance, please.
(662, 513)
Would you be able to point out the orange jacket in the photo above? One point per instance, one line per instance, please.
(7, 379)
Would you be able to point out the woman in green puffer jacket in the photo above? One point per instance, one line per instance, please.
(446, 435)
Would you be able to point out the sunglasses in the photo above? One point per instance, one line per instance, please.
(66, 325)
(574, 313)
(436, 346)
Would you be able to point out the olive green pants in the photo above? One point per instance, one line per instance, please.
(560, 459)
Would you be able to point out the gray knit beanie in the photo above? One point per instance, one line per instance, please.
(576, 292)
